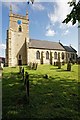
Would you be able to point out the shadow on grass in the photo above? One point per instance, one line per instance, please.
(49, 98)
(62, 70)
(54, 68)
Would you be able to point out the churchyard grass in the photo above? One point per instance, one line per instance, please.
(56, 97)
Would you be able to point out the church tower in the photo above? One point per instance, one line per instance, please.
(17, 39)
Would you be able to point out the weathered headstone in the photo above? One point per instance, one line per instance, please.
(63, 62)
(20, 69)
(36, 65)
(45, 76)
(33, 66)
(69, 66)
(30, 65)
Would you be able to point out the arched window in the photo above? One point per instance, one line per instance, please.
(55, 55)
(37, 55)
(72, 56)
(68, 55)
(47, 55)
(62, 55)
(20, 28)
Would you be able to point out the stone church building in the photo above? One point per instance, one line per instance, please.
(21, 50)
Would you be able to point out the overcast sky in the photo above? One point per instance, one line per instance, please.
(45, 22)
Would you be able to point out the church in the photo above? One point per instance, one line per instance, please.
(21, 50)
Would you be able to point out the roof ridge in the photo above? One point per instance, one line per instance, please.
(44, 40)
(45, 44)
(72, 48)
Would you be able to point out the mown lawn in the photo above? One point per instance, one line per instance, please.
(56, 97)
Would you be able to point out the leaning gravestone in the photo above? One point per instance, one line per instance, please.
(69, 66)
(45, 76)
(30, 65)
(63, 62)
(20, 69)
(35, 66)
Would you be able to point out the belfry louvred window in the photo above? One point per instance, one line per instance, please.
(20, 28)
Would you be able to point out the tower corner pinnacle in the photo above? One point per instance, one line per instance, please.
(10, 8)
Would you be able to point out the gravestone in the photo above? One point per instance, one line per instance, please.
(45, 76)
(30, 65)
(69, 66)
(36, 65)
(33, 66)
(20, 69)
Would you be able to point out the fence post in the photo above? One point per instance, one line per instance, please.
(26, 83)
(23, 73)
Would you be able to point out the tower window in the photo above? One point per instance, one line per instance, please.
(20, 28)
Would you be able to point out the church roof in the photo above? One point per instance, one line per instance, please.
(40, 44)
(69, 49)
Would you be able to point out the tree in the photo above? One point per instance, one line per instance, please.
(74, 14)
(32, 1)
